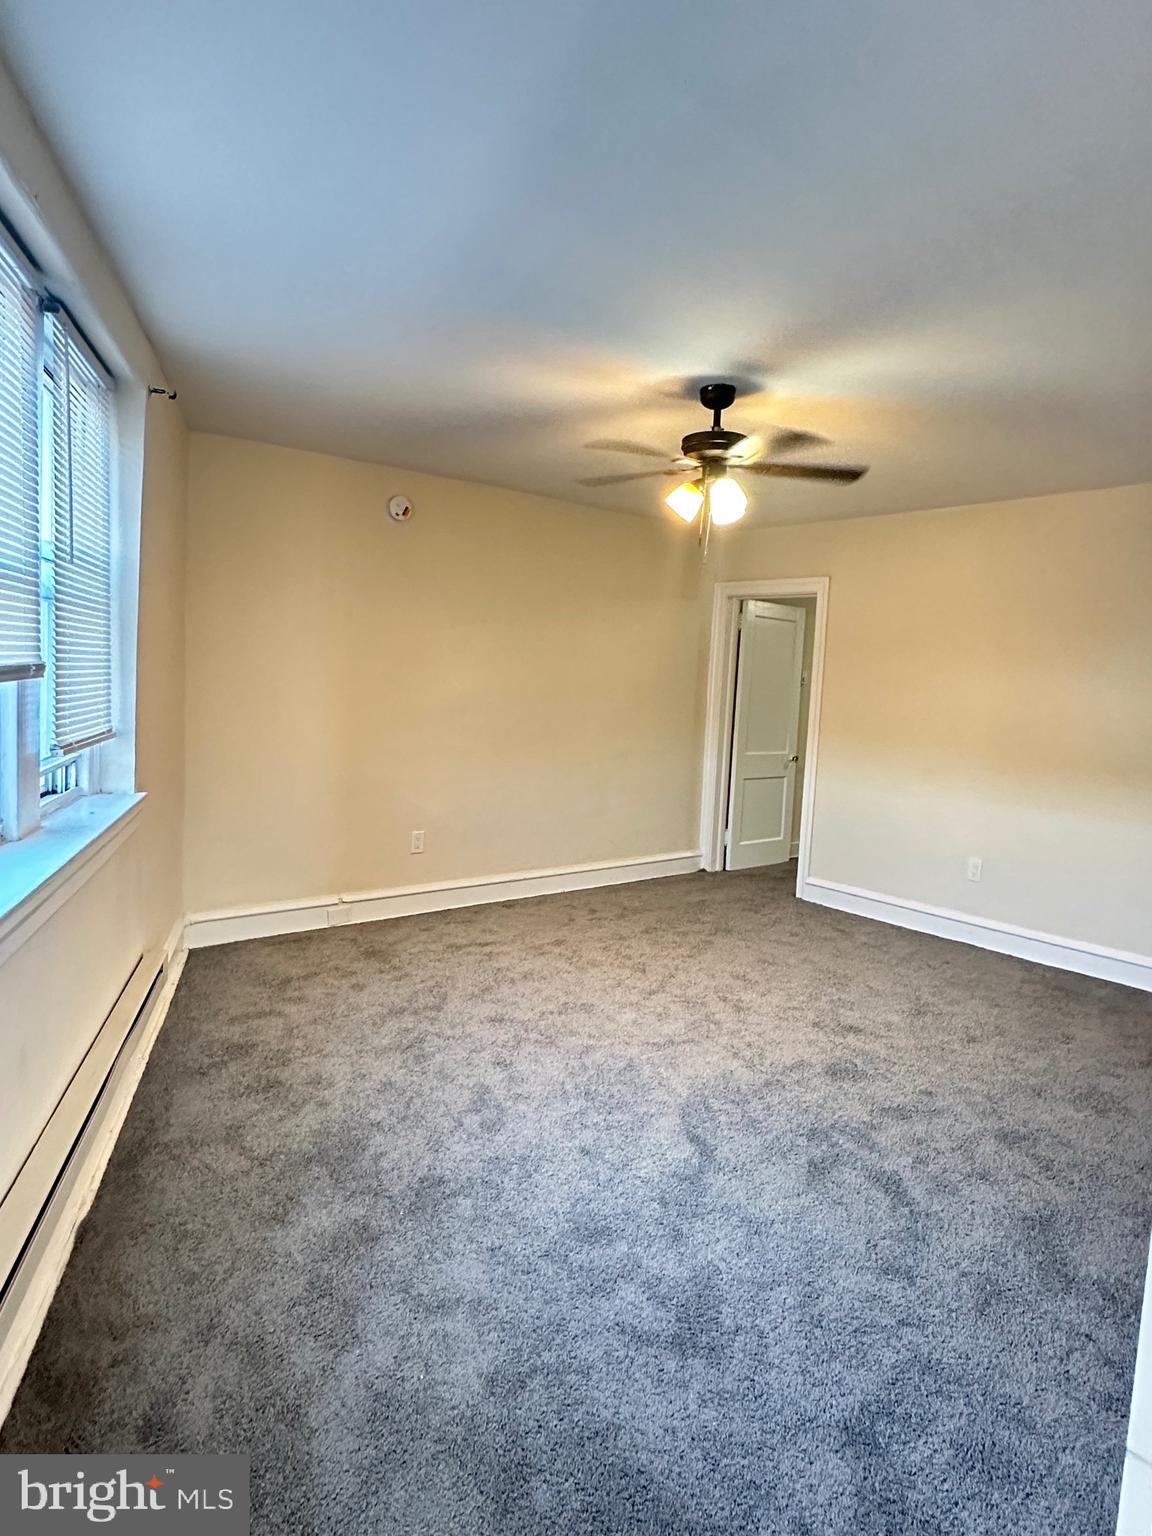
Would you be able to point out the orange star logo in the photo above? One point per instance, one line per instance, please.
(154, 1482)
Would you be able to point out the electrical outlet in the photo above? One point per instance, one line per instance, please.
(417, 842)
(975, 868)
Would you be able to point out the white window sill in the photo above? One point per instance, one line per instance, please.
(40, 872)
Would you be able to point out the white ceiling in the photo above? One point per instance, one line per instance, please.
(468, 237)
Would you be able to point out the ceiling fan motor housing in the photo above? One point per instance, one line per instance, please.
(717, 397)
(715, 443)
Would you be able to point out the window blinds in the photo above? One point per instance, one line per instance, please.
(82, 535)
(19, 475)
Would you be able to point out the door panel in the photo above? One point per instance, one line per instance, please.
(764, 736)
(763, 811)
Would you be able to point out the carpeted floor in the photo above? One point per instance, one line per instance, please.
(679, 1208)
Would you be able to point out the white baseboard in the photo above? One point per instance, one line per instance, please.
(1134, 1517)
(47, 1253)
(204, 928)
(1130, 970)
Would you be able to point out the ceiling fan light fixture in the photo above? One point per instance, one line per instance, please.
(727, 502)
(686, 500)
(713, 494)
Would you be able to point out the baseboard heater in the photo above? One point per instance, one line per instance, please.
(51, 1193)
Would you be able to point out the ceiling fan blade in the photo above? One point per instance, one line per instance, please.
(751, 448)
(621, 445)
(781, 440)
(644, 474)
(839, 474)
(788, 439)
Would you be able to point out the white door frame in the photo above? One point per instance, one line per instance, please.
(726, 600)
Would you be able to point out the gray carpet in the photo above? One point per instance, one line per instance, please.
(678, 1208)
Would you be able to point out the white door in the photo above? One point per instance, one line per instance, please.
(764, 735)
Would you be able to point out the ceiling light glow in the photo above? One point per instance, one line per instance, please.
(686, 500)
(727, 502)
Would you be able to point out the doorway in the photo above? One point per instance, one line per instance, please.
(762, 723)
(766, 751)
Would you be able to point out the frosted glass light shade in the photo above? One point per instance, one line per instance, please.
(726, 501)
(686, 500)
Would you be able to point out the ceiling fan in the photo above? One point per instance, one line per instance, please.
(709, 457)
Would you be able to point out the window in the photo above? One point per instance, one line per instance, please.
(57, 459)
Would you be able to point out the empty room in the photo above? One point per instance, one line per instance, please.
(576, 768)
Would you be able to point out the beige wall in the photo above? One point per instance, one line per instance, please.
(987, 691)
(516, 677)
(160, 669)
(521, 680)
